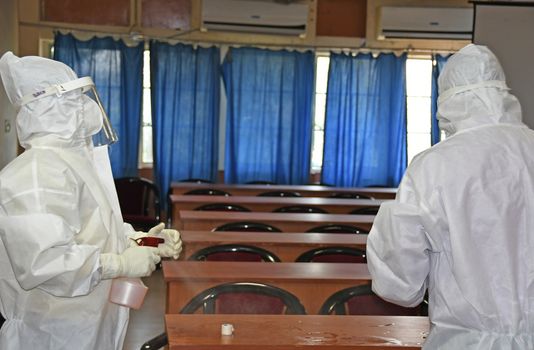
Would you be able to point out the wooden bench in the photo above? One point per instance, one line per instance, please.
(269, 204)
(286, 332)
(312, 283)
(287, 246)
(304, 190)
(208, 220)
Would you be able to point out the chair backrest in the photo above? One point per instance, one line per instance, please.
(300, 209)
(139, 200)
(244, 298)
(350, 195)
(247, 226)
(207, 192)
(334, 254)
(221, 207)
(234, 252)
(197, 181)
(361, 300)
(335, 228)
(280, 194)
(365, 211)
(260, 182)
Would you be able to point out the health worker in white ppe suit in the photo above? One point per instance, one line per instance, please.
(462, 223)
(62, 238)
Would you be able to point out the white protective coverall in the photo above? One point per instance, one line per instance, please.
(62, 237)
(462, 223)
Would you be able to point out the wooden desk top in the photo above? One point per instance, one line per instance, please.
(287, 246)
(285, 332)
(304, 190)
(287, 222)
(312, 283)
(258, 271)
(227, 237)
(268, 204)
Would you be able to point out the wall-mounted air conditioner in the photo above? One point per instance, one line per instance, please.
(256, 16)
(403, 22)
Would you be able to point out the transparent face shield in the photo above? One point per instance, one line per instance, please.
(107, 135)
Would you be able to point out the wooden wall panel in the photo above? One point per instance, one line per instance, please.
(342, 18)
(171, 14)
(99, 12)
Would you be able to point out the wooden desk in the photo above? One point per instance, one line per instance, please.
(312, 283)
(287, 246)
(304, 190)
(195, 220)
(269, 204)
(287, 332)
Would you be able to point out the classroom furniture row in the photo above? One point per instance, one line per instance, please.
(273, 204)
(280, 222)
(287, 247)
(178, 188)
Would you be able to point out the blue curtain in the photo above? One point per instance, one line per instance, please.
(116, 70)
(185, 111)
(365, 125)
(269, 115)
(437, 67)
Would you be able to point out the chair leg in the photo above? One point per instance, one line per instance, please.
(156, 343)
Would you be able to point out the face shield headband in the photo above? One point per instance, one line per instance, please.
(499, 84)
(87, 85)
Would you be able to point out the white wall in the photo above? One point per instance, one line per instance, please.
(8, 36)
(508, 30)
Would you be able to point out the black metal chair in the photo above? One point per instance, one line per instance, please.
(365, 211)
(237, 298)
(207, 192)
(247, 227)
(234, 252)
(139, 200)
(334, 254)
(360, 300)
(300, 209)
(334, 228)
(222, 207)
(260, 182)
(197, 181)
(280, 194)
(349, 195)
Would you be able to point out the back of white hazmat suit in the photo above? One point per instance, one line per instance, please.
(462, 223)
(57, 220)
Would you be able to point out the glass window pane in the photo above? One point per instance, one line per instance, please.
(147, 144)
(147, 110)
(418, 73)
(419, 114)
(320, 110)
(146, 69)
(321, 78)
(317, 153)
(417, 142)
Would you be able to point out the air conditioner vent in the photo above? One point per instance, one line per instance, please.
(400, 22)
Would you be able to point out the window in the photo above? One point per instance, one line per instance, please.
(418, 91)
(146, 128)
(321, 80)
(418, 101)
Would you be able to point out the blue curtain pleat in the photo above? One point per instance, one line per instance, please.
(269, 115)
(437, 67)
(116, 70)
(365, 125)
(185, 109)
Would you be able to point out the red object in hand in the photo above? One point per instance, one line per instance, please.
(149, 241)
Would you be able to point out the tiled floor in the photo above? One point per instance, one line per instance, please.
(147, 322)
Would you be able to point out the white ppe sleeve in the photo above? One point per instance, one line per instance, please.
(398, 254)
(43, 255)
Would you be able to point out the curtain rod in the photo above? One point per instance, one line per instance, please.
(131, 38)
